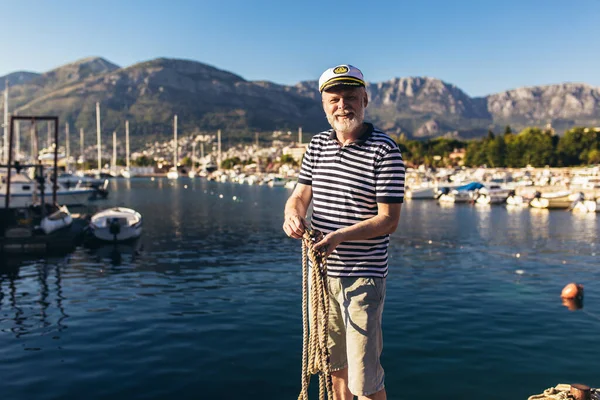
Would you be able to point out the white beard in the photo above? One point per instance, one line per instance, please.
(347, 126)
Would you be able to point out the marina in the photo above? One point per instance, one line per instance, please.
(212, 287)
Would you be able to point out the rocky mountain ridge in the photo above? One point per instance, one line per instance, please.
(206, 98)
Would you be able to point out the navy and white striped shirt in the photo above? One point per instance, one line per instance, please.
(347, 183)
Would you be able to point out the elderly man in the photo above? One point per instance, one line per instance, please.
(354, 175)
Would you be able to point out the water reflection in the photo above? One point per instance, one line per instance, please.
(19, 312)
(539, 220)
(573, 304)
(115, 252)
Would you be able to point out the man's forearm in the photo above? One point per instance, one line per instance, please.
(295, 206)
(379, 225)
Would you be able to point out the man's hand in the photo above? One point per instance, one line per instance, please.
(328, 243)
(294, 225)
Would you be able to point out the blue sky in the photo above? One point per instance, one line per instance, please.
(483, 46)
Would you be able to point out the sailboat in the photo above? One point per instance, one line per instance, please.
(192, 173)
(173, 173)
(126, 173)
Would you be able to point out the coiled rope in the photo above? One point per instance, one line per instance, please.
(560, 392)
(315, 353)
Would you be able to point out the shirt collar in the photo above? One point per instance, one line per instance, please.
(361, 140)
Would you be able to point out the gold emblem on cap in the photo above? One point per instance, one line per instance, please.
(340, 70)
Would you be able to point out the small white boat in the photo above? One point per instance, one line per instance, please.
(116, 224)
(421, 193)
(461, 194)
(493, 194)
(173, 174)
(59, 219)
(515, 200)
(583, 205)
(557, 200)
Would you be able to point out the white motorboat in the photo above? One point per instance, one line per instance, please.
(24, 192)
(116, 224)
(492, 195)
(127, 173)
(583, 205)
(173, 174)
(57, 220)
(461, 194)
(556, 200)
(421, 193)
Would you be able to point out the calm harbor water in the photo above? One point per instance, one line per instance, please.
(207, 306)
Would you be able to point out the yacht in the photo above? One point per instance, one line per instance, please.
(24, 192)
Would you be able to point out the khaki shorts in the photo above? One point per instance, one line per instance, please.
(355, 337)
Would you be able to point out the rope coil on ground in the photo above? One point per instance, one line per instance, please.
(315, 353)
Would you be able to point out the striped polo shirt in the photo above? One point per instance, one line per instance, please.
(347, 183)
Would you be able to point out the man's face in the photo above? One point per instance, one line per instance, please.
(345, 107)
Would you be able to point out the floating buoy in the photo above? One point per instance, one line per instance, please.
(572, 291)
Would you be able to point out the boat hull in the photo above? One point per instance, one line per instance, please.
(125, 234)
(71, 197)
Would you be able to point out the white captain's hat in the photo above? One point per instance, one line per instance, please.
(344, 74)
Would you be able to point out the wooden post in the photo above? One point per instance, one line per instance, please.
(580, 392)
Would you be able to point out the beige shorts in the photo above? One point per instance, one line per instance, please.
(355, 337)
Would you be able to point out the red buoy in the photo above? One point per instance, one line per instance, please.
(572, 291)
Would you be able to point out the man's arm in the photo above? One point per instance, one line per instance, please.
(296, 208)
(385, 222)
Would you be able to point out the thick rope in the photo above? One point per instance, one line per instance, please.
(315, 353)
(560, 392)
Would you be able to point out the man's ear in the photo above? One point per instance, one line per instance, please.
(366, 99)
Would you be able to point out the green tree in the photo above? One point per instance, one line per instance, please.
(143, 161)
(537, 147)
(288, 159)
(186, 161)
(496, 152)
(475, 155)
(594, 156)
(574, 147)
(229, 163)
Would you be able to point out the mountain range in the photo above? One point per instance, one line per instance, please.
(206, 98)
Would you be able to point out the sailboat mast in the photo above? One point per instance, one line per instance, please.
(49, 139)
(17, 138)
(81, 150)
(219, 149)
(68, 147)
(113, 166)
(127, 143)
(175, 142)
(5, 144)
(194, 154)
(98, 139)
